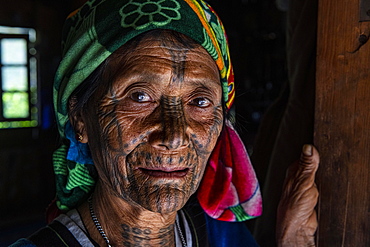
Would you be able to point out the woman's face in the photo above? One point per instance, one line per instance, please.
(153, 127)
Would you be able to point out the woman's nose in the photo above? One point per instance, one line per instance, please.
(172, 133)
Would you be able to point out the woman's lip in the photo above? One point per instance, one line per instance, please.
(165, 173)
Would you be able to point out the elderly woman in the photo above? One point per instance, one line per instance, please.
(142, 98)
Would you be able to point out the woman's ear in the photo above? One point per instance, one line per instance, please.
(79, 127)
(77, 122)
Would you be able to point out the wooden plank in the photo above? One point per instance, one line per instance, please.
(342, 124)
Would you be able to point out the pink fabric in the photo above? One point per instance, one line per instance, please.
(229, 190)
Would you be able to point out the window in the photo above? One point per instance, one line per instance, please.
(18, 78)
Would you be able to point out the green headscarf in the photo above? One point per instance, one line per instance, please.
(93, 33)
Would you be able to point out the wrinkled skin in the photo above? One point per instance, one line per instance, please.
(296, 217)
(151, 130)
(151, 127)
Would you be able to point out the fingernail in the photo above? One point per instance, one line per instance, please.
(307, 149)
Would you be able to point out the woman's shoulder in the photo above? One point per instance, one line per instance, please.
(23, 242)
(66, 230)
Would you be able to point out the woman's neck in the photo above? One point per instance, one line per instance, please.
(126, 224)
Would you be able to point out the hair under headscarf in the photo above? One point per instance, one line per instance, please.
(96, 30)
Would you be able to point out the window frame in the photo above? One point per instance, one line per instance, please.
(32, 120)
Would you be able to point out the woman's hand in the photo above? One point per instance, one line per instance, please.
(296, 216)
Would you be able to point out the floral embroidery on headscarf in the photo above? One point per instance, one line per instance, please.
(141, 13)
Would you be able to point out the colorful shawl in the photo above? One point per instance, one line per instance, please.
(229, 190)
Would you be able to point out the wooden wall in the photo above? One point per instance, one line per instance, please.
(342, 128)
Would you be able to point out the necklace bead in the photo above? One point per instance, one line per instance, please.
(96, 222)
(177, 226)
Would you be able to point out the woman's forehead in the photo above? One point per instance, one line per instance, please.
(158, 61)
(160, 38)
(166, 49)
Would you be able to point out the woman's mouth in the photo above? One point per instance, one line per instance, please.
(174, 173)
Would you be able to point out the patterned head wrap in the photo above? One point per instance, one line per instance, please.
(93, 33)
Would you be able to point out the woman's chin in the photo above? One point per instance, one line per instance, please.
(163, 201)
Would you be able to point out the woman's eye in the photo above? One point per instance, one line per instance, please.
(140, 97)
(200, 102)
